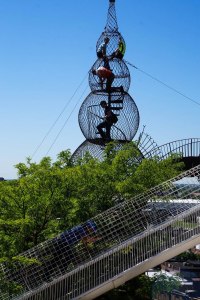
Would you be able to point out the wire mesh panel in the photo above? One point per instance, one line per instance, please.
(111, 24)
(120, 71)
(109, 80)
(91, 114)
(111, 30)
(114, 38)
(97, 150)
(110, 243)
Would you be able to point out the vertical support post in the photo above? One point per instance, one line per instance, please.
(109, 99)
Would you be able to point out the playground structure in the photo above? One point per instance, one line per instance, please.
(118, 98)
(123, 105)
(131, 237)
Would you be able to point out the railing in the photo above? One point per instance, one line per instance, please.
(185, 147)
(124, 237)
(121, 259)
(146, 144)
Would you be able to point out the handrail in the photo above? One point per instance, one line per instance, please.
(130, 234)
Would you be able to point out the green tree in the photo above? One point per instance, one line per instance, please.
(164, 283)
(149, 173)
(50, 197)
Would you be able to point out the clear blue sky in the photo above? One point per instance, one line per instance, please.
(47, 48)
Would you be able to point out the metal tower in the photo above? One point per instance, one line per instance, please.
(117, 97)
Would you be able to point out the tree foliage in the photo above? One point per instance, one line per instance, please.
(49, 197)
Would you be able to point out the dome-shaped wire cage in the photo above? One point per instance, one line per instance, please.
(122, 104)
(98, 151)
(114, 38)
(119, 69)
(93, 149)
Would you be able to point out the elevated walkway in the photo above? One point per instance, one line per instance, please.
(128, 239)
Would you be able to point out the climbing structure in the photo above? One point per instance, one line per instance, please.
(117, 97)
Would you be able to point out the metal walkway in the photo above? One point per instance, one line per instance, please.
(127, 240)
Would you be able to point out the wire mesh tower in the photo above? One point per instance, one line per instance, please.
(109, 81)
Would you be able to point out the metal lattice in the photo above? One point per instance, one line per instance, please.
(146, 144)
(111, 24)
(93, 149)
(111, 31)
(116, 96)
(119, 69)
(96, 150)
(91, 114)
(113, 43)
(186, 147)
(148, 224)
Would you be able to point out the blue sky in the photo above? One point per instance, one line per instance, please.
(47, 49)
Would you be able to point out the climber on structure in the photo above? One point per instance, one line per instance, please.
(109, 119)
(104, 74)
(119, 52)
(102, 52)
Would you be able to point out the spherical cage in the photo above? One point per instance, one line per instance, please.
(119, 69)
(113, 42)
(98, 151)
(95, 150)
(91, 114)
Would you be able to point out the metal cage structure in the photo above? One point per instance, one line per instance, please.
(118, 67)
(98, 152)
(111, 30)
(91, 114)
(122, 105)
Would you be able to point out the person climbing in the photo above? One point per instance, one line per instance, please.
(64, 245)
(104, 74)
(101, 51)
(119, 52)
(109, 119)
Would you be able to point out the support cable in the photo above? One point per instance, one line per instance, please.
(168, 86)
(53, 125)
(66, 120)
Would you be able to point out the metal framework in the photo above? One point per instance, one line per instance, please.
(146, 144)
(117, 98)
(186, 148)
(91, 114)
(118, 67)
(124, 241)
(94, 149)
(131, 237)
